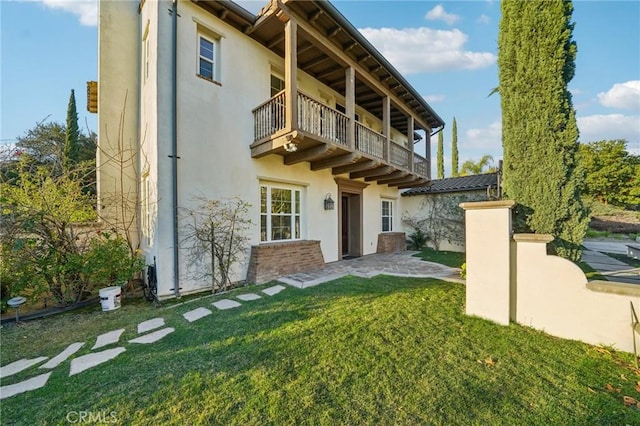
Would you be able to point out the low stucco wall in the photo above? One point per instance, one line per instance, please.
(513, 279)
(553, 295)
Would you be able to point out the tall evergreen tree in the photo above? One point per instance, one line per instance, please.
(71, 144)
(440, 156)
(536, 60)
(454, 148)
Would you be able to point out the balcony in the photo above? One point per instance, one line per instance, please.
(322, 137)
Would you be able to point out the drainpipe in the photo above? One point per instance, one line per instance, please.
(174, 145)
(441, 128)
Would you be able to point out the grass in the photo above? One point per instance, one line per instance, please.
(448, 258)
(590, 273)
(353, 351)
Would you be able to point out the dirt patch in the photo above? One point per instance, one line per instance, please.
(622, 224)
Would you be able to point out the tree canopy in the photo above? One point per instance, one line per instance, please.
(536, 61)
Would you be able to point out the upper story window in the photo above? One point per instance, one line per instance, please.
(207, 65)
(280, 213)
(277, 84)
(387, 216)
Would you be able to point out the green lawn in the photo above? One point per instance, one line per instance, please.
(353, 351)
(449, 258)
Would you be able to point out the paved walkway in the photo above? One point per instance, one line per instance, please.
(612, 269)
(153, 330)
(402, 264)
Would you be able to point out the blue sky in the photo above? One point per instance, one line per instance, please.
(446, 49)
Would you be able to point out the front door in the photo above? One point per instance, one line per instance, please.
(345, 225)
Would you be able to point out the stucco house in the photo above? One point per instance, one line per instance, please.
(290, 107)
(435, 207)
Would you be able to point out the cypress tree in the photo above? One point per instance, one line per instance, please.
(71, 143)
(536, 61)
(454, 148)
(440, 156)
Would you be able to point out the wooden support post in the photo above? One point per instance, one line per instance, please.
(410, 141)
(350, 107)
(291, 74)
(386, 126)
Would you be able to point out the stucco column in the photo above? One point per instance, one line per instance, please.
(488, 245)
(291, 74)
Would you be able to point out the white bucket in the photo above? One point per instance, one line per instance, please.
(110, 298)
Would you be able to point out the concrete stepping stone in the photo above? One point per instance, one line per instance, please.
(196, 314)
(62, 356)
(273, 290)
(24, 386)
(85, 362)
(152, 324)
(226, 304)
(19, 365)
(108, 338)
(153, 337)
(249, 296)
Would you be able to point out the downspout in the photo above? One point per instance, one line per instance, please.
(441, 128)
(174, 145)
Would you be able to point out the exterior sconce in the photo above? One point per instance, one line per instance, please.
(290, 147)
(328, 202)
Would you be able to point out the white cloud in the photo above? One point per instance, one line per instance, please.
(483, 19)
(434, 98)
(488, 139)
(85, 10)
(610, 126)
(439, 14)
(622, 95)
(416, 50)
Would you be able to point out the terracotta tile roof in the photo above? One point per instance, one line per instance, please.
(456, 184)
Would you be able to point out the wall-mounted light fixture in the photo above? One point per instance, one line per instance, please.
(290, 147)
(329, 204)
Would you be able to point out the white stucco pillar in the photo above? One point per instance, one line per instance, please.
(488, 241)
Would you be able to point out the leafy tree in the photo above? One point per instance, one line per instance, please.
(470, 167)
(536, 60)
(454, 148)
(216, 238)
(612, 174)
(72, 139)
(440, 155)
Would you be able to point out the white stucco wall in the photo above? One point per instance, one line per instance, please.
(215, 131)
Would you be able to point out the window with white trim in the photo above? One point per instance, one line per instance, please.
(280, 213)
(387, 216)
(208, 57)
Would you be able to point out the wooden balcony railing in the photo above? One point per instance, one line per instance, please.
(332, 126)
(400, 156)
(420, 165)
(320, 120)
(370, 142)
(269, 117)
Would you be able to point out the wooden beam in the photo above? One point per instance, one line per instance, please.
(350, 107)
(314, 15)
(390, 177)
(401, 181)
(328, 72)
(419, 182)
(378, 171)
(341, 160)
(348, 46)
(224, 14)
(333, 31)
(312, 63)
(275, 41)
(308, 154)
(386, 125)
(346, 59)
(304, 48)
(410, 140)
(357, 167)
